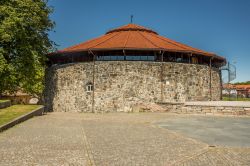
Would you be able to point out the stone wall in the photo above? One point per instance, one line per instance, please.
(119, 85)
(183, 108)
(215, 110)
(5, 104)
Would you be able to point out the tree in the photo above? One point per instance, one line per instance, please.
(24, 43)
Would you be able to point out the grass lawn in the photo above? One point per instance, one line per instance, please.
(10, 113)
(235, 99)
(1, 101)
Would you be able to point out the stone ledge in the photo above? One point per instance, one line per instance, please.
(207, 109)
(219, 103)
(170, 103)
(5, 104)
(213, 110)
(37, 112)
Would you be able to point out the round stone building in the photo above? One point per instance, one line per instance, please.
(127, 66)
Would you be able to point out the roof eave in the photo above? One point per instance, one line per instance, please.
(137, 49)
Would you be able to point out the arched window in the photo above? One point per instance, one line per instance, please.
(89, 87)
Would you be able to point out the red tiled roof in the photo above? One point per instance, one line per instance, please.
(132, 27)
(134, 37)
(238, 87)
(242, 86)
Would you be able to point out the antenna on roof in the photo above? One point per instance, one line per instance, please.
(131, 19)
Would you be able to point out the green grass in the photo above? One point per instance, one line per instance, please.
(10, 113)
(235, 99)
(1, 101)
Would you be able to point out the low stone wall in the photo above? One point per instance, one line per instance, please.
(183, 108)
(5, 104)
(218, 110)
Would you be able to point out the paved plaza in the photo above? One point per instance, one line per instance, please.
(127, 139)
(213, 130)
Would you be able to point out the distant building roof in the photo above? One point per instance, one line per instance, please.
(242, 86)
(237, 87)
(18, 93)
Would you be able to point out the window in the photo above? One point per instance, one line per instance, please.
(179, 60)
(194, 60)
(151, 58)
(126, 58)
(89, 87)
(140, 58)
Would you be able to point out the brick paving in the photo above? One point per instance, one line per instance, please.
(108, 139)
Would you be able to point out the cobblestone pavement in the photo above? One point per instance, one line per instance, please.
(109, 139)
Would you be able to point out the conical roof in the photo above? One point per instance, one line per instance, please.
(134, 37)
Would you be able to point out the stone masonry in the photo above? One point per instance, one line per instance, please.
(186, 108)
(119, 85)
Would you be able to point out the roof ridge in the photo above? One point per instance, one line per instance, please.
(148, 39)
(104, 40)
(129, 32)
(132, 27)
(189, 48)
(86, 42)
(159, 37)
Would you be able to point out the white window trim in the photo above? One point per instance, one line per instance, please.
(89, 87)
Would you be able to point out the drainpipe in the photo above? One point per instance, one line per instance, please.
(210, 79)
(221, 86)
(162, 76)
(190, 57)
(93, 80)
(229, 94)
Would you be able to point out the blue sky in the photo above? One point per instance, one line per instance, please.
(219, 26)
